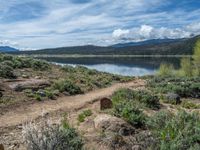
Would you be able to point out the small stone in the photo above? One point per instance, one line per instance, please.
(136, 147)
(105, 103)
(37, 77)
(24, 76)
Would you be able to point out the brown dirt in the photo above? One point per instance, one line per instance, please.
(12, 120)
(25, 113)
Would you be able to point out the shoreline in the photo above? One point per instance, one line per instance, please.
(103, 56)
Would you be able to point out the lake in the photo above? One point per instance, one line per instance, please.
(130, 66)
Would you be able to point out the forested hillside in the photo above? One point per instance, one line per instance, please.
(168, 47)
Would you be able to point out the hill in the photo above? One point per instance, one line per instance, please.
(151, 47)
(7, 49)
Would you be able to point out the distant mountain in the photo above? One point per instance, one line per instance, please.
(7, 49)
(150, 47)
(146, 42)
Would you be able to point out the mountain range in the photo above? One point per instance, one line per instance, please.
(7, 49)
(182, 46)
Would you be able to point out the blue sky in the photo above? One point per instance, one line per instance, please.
(35, 24)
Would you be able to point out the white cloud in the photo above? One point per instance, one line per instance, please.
(195, 28)
(8, 42)
(146, 32)
(119, 33)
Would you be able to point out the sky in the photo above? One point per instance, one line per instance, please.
(37, 24)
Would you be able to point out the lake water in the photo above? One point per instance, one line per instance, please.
(121, 66)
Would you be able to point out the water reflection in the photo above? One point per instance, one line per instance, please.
(120, 66)
(122, 70)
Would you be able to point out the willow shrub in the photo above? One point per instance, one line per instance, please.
(166, 70)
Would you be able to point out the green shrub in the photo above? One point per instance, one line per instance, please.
(166, 70)
(190, 105)
(186, 67)
(136, 97)
(183, 86)
(196, 58)
(29, 93)
(130, 113)
(175, 131)
(84, 114)
(49, 94)
(38, 97)
(68, 68)
(67, 86)
(40, 65)
(6, 71)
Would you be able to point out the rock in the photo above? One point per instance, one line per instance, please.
(136, 147)
(28, 84)
(110, 123)
(1, 147)
(41, 93)
(37, 77)
(105, 103)
(25, 76)
(173, 98)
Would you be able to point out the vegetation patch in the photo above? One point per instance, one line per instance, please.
(84, 114)
(46, 136)
(183, 86)
(67, 86)
(127, 104)
(190, 105)
(175, 131)
(142, 97)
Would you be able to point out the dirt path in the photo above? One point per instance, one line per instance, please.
(26, 113)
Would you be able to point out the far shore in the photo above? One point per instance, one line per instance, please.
(102, 56)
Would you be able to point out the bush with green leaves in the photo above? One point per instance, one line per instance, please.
(166, 70)
(67, 86)
(24, 62)
(40, 65)
(186, 67)
(130, 113)
(142, 97)
(6, 71)
(190, 105)
(48, 136)
(196, 58)
(183, 86)
(84, 114)
(179, 131)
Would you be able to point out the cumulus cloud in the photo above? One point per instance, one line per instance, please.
(8, 42)
(194, 28)
(119, 33)
(146, 32)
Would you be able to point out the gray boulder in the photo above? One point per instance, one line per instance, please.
(113, 124)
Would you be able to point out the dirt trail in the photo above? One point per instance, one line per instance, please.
(26, 113)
